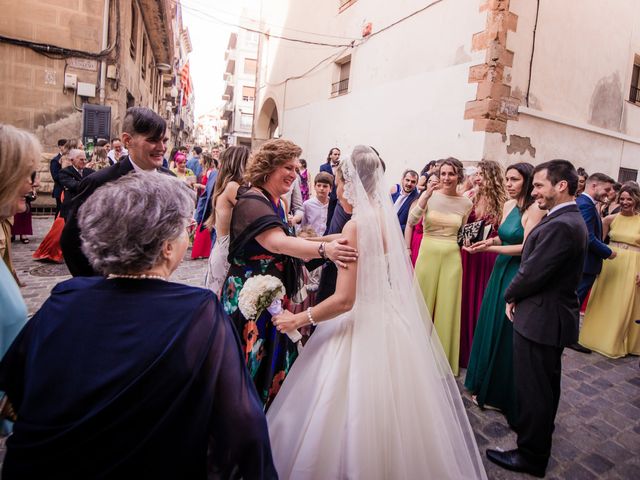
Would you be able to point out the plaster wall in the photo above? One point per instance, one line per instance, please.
(407, 86)
(580, 76)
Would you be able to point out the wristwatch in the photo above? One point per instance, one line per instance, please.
(321, 251)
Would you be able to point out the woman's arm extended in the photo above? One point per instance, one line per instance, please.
(341, 301)
(531, 218)
(276, 241)
(326, 238)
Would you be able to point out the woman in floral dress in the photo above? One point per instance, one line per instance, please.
(261, 243)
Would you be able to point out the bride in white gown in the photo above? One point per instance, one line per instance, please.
(372, 395)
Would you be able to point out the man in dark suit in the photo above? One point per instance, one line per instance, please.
(54, 170)
(597, 188)
(333, 160)
(543, 305)
(144, 137)
(71, 176)
(403, 195)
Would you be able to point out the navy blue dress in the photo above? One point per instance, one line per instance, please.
(129, 378)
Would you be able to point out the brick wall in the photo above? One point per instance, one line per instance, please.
(493, 105)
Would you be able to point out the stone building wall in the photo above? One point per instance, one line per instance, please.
(32, 93)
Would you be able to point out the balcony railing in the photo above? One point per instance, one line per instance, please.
(634, 96)
(340, 88)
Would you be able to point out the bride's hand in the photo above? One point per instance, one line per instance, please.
(285, 322)
(339, 253)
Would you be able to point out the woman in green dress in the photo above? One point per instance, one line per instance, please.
(490, 372)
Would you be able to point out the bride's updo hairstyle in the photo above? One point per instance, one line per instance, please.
(367, 164)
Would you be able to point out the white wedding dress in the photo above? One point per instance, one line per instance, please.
(372, 395)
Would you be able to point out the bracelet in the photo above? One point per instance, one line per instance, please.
(310, 317)
(321, 251)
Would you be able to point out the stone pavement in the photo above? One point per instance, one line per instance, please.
(598, 425)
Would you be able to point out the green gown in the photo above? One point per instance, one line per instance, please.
(490, 371)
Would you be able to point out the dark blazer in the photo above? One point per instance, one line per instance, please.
(544, 289)
(403, 213)
(203, 208)
(54, 170)
(598, 250)
(70, 240)
(70, 180)
(333, 195)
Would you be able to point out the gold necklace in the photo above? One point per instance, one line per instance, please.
(141, 276)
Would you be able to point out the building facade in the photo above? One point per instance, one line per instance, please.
(55, 57)
(240, 87)
(505, 80)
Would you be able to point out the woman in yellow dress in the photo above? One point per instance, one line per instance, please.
(438, 268)
(609, 324)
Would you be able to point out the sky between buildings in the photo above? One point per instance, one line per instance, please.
(210, 23)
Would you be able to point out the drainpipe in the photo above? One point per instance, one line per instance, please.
(105, 44)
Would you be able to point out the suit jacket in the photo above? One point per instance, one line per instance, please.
(598, 250)
(54, 169)
(403, 213)
(544, 288)
(203, 209)
(70, 240)
(333, 195)
(70, 180)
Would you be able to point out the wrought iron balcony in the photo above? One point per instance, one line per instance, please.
(340, 88)
(634, 96)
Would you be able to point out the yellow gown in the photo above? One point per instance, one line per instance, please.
(438, 267)
(609, 324)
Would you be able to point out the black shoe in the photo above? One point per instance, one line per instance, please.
(513, 460)
(579, 348)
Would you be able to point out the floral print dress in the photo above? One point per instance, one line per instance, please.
(268, 354)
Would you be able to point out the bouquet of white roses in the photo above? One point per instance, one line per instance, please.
(262, 292)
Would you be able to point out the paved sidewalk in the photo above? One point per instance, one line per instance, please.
(598, 426)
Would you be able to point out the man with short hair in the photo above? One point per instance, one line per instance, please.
(71, 176)
(54, 169)
(543, 306)
(403, 196)
(117, 151)
(597, 188)
(144, 137)
(194, 164)
(315, 210)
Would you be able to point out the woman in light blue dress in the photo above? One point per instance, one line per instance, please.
(19, 155)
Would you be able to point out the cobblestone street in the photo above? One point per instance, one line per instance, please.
(598, 426)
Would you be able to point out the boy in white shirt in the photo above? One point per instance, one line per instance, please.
(314, 210)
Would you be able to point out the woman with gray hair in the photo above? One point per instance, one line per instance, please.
(143, 377)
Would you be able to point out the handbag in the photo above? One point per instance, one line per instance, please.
(473, 232)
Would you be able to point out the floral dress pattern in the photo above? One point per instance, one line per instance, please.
(268, 353)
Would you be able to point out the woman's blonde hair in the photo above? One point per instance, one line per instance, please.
(19, 157)
(234, 161)
(492, 190)
(271, 155)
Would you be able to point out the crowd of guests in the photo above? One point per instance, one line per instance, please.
(467, 232)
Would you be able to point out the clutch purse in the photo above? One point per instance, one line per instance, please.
(473, 232)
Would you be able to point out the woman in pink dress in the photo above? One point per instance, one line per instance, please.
(202, 239)
(413, 234)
